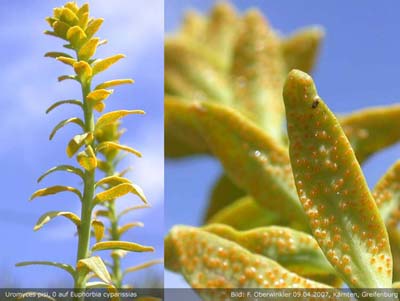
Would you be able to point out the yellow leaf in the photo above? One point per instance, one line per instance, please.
(87, 158)
(129, 209)
(53, 190)
(98, 228)
(143, 266)
(112, 117)
(124, 228)
(113, 145)
(104, 64)
(121, 245)
(97, 266)
(100, 212)
(66, 60)
(118, 191)
(93, 27)
(99, 107)
(55, 54)
(77, 142)
(72, 6)
(83, 21)
(98, 95)
(300, 51)
(83, 70)
(68, 16)
(88, 49)
(76, 36)
(82, 10)
(112, 180)
(60, 29)
(48, 216)
(113, 83)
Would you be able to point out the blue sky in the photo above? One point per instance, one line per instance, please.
(28, 86)
(358, 67)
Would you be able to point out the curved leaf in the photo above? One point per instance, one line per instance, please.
(60, 29)
(332, 189)
(53, 190)
(61, 124)
(77, 142)
(387, 198)
(133, 208)
(193, 25)
(104, 64)
(297, 251)
(65, 77)
(143, 266)
(68, 168)
(96, 265)
(76, 36)
(98, 228)
(126, 227)
(394, 238)
(221, 32)
(93, 27)
(113, 83)
(181, 135)
(65, 267)
(61, 102)
(251, 214)
(83, 70)
(98, 95)
(87, 158)
(387, 195)
(251, 159)
(209, 261)
(111, 117)
(101, 212)
(118, 191)
(301, 49)
(48, 216)
(195, 71)
(88, 49)
(121, 245)
(371, 130)
(112, 181)
(68, 16)
(258, 72)
(66, 60)
(84, 9)
(55, 54)
(114, 145)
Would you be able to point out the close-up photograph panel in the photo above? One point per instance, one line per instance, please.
(200, 150)
(82, 145)
(281, 154)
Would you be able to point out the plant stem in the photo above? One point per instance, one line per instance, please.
(116, 266)
(88, 193)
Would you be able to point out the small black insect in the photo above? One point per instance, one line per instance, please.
(315, 103)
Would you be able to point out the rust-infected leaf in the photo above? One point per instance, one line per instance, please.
(332, 189)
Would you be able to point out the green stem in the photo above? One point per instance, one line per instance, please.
(88, 194)
(116, 266)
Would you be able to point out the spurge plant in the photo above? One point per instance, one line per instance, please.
(95, 148)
